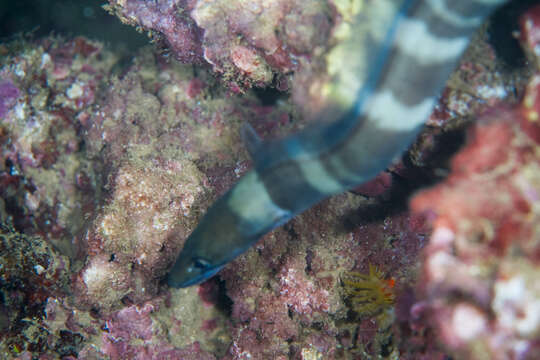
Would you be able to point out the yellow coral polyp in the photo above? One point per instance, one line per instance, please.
(369, 294)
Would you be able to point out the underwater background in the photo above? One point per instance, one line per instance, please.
(120, 125)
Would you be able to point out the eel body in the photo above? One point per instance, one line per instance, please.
(399, 69)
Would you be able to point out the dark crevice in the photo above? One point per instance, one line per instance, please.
(224, 302)
(503, 25)
(269, 96)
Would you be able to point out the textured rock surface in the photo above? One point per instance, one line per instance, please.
(477, 277)
(114, 165)
(48, 183)
(247, 42)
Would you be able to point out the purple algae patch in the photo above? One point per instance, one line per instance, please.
(8, 94)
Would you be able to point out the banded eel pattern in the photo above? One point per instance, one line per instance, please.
(418, 49)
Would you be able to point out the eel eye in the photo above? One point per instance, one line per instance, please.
(201, 263)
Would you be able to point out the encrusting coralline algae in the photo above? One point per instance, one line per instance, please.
(104, 174)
